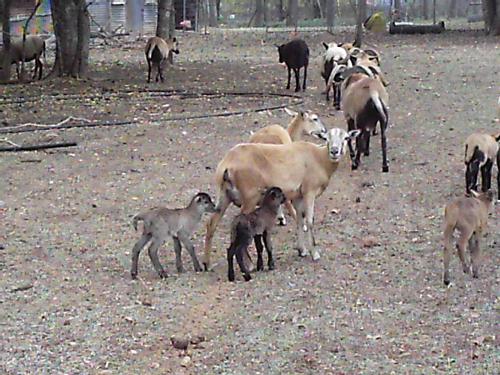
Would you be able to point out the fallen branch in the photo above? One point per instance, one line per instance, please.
(22, 288)
(37, 147)
(67, 126)
(9, 142)
(45, 126)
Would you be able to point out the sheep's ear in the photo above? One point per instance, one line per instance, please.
(325, 45)
(475, 194)
(290, 112)
(353, 133)
(174, 39)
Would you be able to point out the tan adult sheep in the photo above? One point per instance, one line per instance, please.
(34, 47)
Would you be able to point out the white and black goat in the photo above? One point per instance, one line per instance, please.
(158, 51)
(481, 150)
(295, 55)
(34, 47)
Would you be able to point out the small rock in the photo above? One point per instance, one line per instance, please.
(197, 339)
(179, 343)
(186, 361)
(370, 242)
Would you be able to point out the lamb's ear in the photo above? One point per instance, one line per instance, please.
(325, 45)
(353, 133)
(475, 194)
(290, 112)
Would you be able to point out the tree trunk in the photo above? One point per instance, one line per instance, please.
(359, 22)
(5, 61)
(72, 30)
(452, 9)
(280, 8)
(425, 9)
(163, 22)
(292, 14)
(259, 13)
(212, 14)
(491, 11)
(330, 14)
(218, 8)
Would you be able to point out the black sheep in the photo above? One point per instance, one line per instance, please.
(295, 55)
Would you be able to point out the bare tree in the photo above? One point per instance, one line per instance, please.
(163, 23)
(259, 13)
(425, 9)
(361, 16)
(330, 13)
(280, 8)
(491, 10)
(5, 64)
(292, 14)
(212, 13)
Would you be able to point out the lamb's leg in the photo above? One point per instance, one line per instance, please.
(486, 175)
(240, 250)
(153, 255)
(350, 126)
(269, 249)
(184, 238)
(135, 253)
(178, 255)
(149, 71)
(212, 226)
(305, 77)
(160, 70)
(461, 247)
(289, 77)
(471, 175)
(291, 210)
(299, 208)
(40, 74)
(367, 143)
(360, 142)
(448, 232)
(260, 248)
(475, 254)
(230, 265)
(297, 79)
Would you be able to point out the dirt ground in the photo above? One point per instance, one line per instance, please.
(373, 304)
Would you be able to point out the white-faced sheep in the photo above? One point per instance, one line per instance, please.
(469, 215)
(162, 223)
(295, 55)
(34, 47)
(158, 51)
(332, 57)
(481, 150)
(301, 169)
(365, 104)
(303, 123)
(256, 226)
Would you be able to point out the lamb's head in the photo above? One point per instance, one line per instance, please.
(173, 45)
(204, 203)
(273, 197)
(485, 197)
(337, 142)
(281, 50)
(311, 123)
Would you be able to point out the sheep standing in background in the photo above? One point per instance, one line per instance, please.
(481, 150)
(161, 223)
(332, 56)
(158, 52)
(34, 47)
(255, 225)
(295, 55)
(469, 215)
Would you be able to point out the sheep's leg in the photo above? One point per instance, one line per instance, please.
(367, 143)
(336, 96)
(160, 71)
(41, 68)
(135, 253)
(360, 146)
(269, 249)
(475, 254)
(350, 126)
(486, 175)
(291, 210)
(153, 255)
(184, 238)
(471, 175)
(297, 79)
(222, 206)
(230, 265)
(299, 207)
(383, 142)
(178, 255)
(305, 77)
(289, 77)
(260, 248)
(309, 211)
(149, 71)
(240, 250)
(461, 246)
(447, 254)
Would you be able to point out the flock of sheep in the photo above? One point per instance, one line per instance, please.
(276, 168)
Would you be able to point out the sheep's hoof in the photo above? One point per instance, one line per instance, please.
(354, 167)
(163, 274)
(337, 107)
(385, 168)
(205, 267)
(297, 90)
(366, 153)
(133, 275)
(230, 278)
(446, 282)
(247, 277)
(303, 252)
(271, 266)
(182, 270)
(260, 266)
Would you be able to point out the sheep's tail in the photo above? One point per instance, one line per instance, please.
(151, 48)
(136, 219)
(379, 104)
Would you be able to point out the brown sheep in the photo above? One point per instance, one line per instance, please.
(158, 51)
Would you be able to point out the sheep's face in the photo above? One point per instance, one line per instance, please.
(313, 125)
(174, 46)
(337, 142)
(280, 52)
(204, 203)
